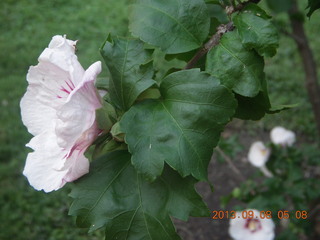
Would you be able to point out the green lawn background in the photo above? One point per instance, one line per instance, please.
(26, 27)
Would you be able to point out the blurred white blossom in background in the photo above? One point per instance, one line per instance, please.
(282, 136)
(258, 154)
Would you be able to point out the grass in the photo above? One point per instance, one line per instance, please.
(26, 29)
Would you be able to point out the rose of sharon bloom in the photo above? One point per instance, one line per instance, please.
(59, 110)
(251, 228)
(282, 136)
(258, 154)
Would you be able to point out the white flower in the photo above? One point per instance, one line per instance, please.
(258, 154)
(282, 136)
(251, 228)
(59, 110)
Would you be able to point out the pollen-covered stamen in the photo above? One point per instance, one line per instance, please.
(253, 225)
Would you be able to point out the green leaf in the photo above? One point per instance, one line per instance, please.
(116, 132)
(218, 12)
(213, 1)
(150, 93)
(182, 128)
(176, 26)
(279, 6)
(219, 2)
(256, 31)
(239, 69)
(114, 196)
(251, 7)
(313, 5)
(254, 108)
(130, 68)
(181, 56)
(102, 83)
(279, 108)
(106, 116)
(106, 145)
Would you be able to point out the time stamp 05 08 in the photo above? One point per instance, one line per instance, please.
(249, 214)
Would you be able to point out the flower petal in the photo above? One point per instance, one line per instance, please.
(58, 71)
(282, 136)
(34, 114)
(77, 165)
(59, 109)
(61, 53)
(77, 115)
(258, 154)
(43, 165)
(239, 230)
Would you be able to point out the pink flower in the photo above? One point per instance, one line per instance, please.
(59, 110)
(251, 228)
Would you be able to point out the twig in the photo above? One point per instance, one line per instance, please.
(294, 37)
(232, 166)
(215, 39)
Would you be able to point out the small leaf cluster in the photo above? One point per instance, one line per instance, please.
(159, 130)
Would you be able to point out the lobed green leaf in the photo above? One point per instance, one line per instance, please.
(238, 68)
(130, 68)
(180, 129)
(176, 26)
(114, 196)
(254, 108)
(257, 31)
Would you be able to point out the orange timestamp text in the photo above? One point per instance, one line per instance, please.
(249, 214)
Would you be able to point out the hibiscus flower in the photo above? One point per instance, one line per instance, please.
(253, 228)
(282, 136)
(258, 156)
(59, 110)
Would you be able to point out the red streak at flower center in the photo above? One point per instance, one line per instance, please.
(253, 225)
(65, 90)
(70, 85)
